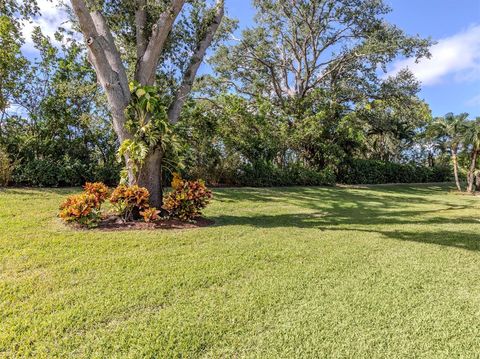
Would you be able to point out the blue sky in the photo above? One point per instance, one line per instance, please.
(451, 79)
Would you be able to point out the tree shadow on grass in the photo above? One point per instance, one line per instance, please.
(322, 220)
(370, 210)
(464, 240)
(460, 239)
(316, 197)
(327, 206)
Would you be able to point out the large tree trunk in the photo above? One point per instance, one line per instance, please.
(151, 177)
(471, 171)
(455, 169)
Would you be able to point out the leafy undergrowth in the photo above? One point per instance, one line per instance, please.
(388, 271)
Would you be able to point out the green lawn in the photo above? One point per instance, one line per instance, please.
(384, 272)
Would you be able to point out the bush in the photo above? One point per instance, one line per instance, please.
(359, 171)
(187, 198)
(48, 172)
(83, 209)
(298, 175)
(442, 174)
(6, 168)
(129, 201)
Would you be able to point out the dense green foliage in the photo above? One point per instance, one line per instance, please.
(262, 174)
(303, 85)
(281, 106)
(12, 63)
(382, 272)
(60, 133)
(360, 171)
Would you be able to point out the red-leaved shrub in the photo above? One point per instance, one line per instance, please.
(187, 198)
(83, 209)
(129, 200)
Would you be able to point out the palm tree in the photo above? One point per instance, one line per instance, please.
(451, 130)
(472, 139)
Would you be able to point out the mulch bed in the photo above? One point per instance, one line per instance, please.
(114, 223)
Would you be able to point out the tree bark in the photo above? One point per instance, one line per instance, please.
(147, 61)
(455, 169)
(471, 171)
(151, 177)
(105, 59)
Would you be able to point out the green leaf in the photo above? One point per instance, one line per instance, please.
(140, 92)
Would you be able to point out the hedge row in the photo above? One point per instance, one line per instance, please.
(50, 173)
(378, 172)
(269, 175)
(63, 172)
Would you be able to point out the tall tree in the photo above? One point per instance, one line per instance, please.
(317, 61)
(392, 118)
(450, 131)
(154, 30)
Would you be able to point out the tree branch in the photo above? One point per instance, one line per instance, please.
(111, 53)
(105, 58)
(147, 63)
(140, 23)
(195, 61)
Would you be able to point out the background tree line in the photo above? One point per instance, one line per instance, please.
(300, 98)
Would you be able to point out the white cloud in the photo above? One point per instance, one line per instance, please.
(457, 56)
(52, 15)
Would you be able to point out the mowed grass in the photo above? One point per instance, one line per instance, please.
(381, 272)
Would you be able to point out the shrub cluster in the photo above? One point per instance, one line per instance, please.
(185, 202)
(359, 171)
(85, 208)
(187, 198)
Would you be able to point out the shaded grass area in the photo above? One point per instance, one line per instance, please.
(387, 271)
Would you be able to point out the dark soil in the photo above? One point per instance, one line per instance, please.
(115, 223)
